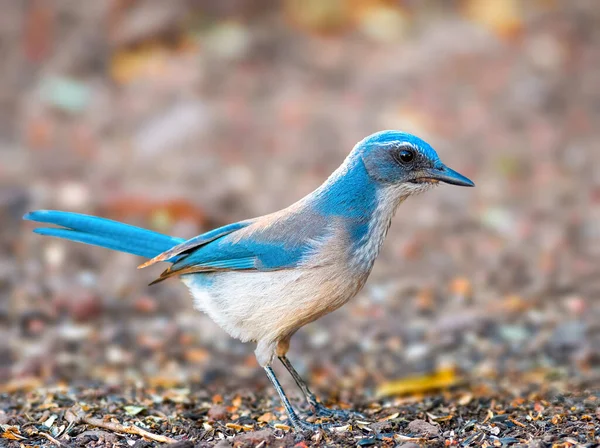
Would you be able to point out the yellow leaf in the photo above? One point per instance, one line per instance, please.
(234, 426)
(196, 355)
(237, 401)
(331, 16)
(391, 417)
(266, 418)
(419, 384)
(465, 399)
(504, 17)
(461, 286)
(127, 65)
(11, 433)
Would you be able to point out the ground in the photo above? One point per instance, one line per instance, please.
(538, 415)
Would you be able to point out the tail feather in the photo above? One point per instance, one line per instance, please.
(103, 232)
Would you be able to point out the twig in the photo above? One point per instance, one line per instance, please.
(117, 427)
(31, 432)
(52, 439)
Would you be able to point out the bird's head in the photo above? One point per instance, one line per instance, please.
(399, 159)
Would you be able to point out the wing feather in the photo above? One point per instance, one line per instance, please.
(195, 243)
(272, 242)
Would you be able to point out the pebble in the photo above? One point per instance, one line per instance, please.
(217, 412)
(424, 428)
(220, 444)
(567, 335)
(188, 444)
(251, 439)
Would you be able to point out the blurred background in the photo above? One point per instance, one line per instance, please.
(184, 115)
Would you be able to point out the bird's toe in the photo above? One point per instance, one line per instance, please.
(304, 425)
(337, 414)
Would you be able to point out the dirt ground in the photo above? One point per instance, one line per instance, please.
(537, 415)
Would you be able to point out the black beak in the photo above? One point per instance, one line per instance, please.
(449, 176)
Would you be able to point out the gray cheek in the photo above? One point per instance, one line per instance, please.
(383, 168)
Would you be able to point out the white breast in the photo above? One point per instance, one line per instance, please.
(243, 303)
(269, 306)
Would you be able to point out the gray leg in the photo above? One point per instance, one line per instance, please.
(310, 397)
(296, 421)
(320, 409)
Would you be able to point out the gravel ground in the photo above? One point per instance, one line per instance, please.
(480, 323)
(536, 415)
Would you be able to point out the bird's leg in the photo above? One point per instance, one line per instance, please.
(296, 421)
(310, 397)
(319, 409)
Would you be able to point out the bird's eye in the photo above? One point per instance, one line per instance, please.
(406, 156)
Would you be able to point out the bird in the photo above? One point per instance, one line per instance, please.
(264, 278)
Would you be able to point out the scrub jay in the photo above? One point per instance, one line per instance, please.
(264, 278)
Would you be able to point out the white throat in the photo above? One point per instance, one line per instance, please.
(388, 200)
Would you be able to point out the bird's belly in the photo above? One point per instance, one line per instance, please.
(268, 306)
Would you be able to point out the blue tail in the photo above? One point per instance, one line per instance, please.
(103, 232)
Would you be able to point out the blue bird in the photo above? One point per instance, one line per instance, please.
(264, 278)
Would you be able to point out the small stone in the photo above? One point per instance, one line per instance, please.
(251, 439)
(423, 428)
(222, 444)
(98, 435)
(382, 426)
(217, 412)
(461, 288)
(85, 307)
(32, 323)
(514, 333)
(145, 304)
(266, 417)
(576, 305)
(536, 444)
(188, 444)
(408, 445)
(73, 195)
(568, 335)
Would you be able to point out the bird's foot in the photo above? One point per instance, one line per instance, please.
(304, 425)
(336, 414)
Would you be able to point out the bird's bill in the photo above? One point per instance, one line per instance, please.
(446, 175)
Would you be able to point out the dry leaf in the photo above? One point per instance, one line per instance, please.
(237, 401)
(266, 418)
(74, 414)
(11, 432)
(419, 384)
(133, 410)
(503, 17)
(391, 417)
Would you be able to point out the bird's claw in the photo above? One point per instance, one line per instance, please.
(336, 414)
(304, 425)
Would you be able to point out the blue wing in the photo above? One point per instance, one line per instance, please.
(272, 242)
(179, 251)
